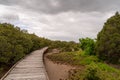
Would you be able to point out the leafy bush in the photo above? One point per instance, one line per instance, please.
(95, 71)
(88, 45)
(101, 71)
(92, 73)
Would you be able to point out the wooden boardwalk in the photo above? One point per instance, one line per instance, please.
(29, 68)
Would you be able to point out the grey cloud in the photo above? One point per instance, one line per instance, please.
(66, 5)
(8, 17)
(34, 5)
(8, 2)
(89, 5)
(66, 19)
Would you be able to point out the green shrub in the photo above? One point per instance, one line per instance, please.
(92, 74)
(88, 45)
(95, 71)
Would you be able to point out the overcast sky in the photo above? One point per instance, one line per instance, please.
(59, 19)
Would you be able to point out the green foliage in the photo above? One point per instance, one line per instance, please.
(16, 43)
(91, 73)
(108, 40)
(88, 45)
(73, 58)
(5, 47)
(17, 53)
(90, 67)
(63, 57)
(65, 46)
(95, 71)
(101, 71)
(86, 60)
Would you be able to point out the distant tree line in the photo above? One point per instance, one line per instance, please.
(65, 46)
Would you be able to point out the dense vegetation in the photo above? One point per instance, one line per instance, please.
(73, 58)
(64, 45)
(89, 66)
(108, 40)
(16, 43)
(93, 54)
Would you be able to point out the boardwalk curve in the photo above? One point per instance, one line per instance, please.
(29, 68)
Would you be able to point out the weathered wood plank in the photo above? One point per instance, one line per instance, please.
(30, 68)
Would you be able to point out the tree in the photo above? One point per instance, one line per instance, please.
(108, 40)
(88, 45)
